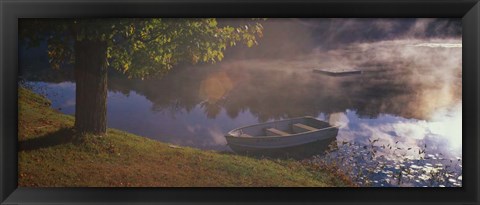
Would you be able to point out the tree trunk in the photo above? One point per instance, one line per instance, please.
(91, 87)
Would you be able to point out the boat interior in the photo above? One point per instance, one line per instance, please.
(283, 128)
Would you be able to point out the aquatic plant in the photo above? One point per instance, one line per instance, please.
(383, 164)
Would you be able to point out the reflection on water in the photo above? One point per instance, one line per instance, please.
(409, 96)
(442, 134)
(383, 150)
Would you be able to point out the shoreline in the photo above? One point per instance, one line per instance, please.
(52, 155)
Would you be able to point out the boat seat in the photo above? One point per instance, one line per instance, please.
(298, 128)
(273, 131)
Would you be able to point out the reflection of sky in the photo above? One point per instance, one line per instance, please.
(408, 102)
(409, 95)
(133, 113)
(408, 146)
(62, 94)
(443, 134)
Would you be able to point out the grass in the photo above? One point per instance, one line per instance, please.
(51, 154)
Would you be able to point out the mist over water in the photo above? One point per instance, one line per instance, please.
(409, 94)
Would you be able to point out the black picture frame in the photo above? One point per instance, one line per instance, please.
(11, 11)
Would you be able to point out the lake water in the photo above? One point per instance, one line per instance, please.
(407, 102)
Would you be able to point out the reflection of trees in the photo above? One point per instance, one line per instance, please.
(270, 93)
(211, 109)
(275, 93)
(175, 92)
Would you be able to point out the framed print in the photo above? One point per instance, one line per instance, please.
(239, 102)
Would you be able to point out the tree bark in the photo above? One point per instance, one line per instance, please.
(91, 87)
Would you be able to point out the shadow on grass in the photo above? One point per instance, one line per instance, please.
(62, 136)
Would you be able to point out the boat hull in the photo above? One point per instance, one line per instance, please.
(283, 141)
(292, 143)
(301, 151)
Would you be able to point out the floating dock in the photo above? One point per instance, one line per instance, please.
(337, 73)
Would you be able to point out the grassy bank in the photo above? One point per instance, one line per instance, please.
(52, 155)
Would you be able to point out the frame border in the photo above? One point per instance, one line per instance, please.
(10, 10)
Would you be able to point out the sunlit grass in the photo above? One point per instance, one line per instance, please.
(52, 155)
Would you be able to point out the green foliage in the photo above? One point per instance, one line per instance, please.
(142, 47)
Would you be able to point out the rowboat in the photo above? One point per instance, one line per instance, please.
(296, 137)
